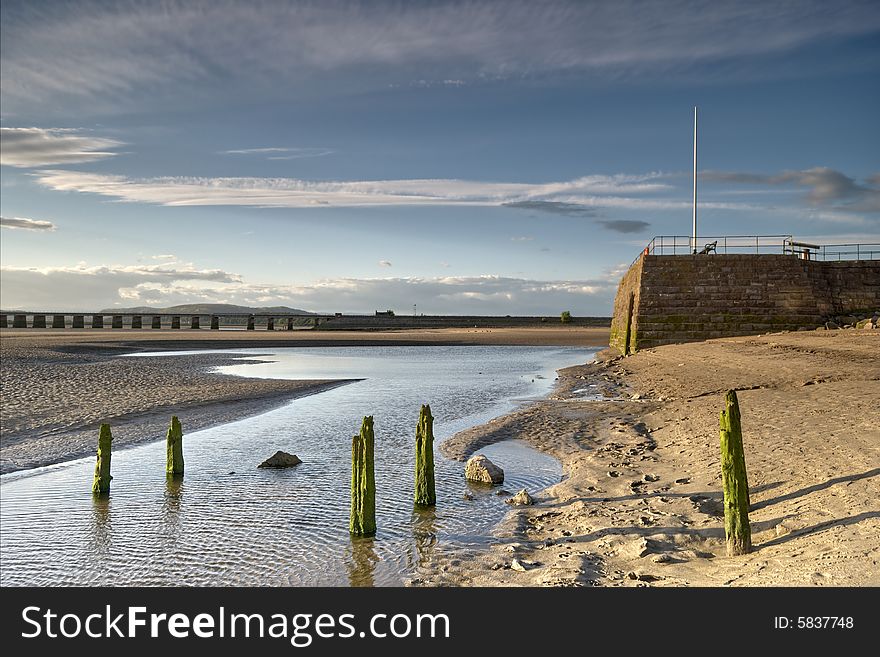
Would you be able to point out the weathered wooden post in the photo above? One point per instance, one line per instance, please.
(363, 482)
(174, 448)
(101, 484)
(734, 480)
(425, 494)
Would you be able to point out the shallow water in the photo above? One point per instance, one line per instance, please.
(228, 523)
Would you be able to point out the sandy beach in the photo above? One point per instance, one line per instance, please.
(58, 386)
(640, 501)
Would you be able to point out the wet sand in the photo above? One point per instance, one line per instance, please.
(641, 504)
(59, 385)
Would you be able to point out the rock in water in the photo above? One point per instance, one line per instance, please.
(479, 468)
(280, 460)
(522, 498)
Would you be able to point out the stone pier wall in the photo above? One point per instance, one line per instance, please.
(690, 298)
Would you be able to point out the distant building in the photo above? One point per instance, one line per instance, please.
(384, 313)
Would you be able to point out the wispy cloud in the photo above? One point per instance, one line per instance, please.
(36, 147)
(280, 153)
(100, 286)
(625, 225)
(104, 51)
(385, 263)
(827, 187)
(22, 223)
(554, 207)
(576, 195)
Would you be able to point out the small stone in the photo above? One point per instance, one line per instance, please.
(467, 496)
(831, 325)
(632, 575)
(651, 477)
(503, 492)
(280, 460)
(636, 397)
(684, 480)
(481, 469)
(516, 564)
(522, 498)
(661, 558)
(613, 473)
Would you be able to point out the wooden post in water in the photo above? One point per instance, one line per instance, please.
(425, 493)
(174, 448)
(101, 484)
(363, 482)
(734, 480)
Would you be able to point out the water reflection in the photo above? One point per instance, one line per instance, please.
(424, 528)
(101, 527)
(171, 503)
(361, 561)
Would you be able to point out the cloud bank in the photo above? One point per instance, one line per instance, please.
(37, 147)
(171, 283)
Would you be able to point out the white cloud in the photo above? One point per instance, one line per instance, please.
(36, 147)
(101, 286)
(22, 223)
(294, 193)
(279, 153)
(384, 263)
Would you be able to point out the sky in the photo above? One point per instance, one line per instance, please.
(443, 157)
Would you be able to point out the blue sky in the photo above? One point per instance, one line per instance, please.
(483, 157)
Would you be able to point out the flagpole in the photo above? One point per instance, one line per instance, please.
(694, 233)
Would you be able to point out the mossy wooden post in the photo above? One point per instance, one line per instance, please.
(425, 494)
(734, 480)
(174, 448)
(363, 482)
(101, 485)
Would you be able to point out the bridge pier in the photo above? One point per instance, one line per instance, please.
(97, 321)
(58, 321)
(215, 323)
(157, 322)
(19, 321)
(137, 322)
(4, 321)
(116, 322)
(175, 322)
(270, 324)
(79, 321)
(39, 321)
(290, 323)
(250, 324)
(194, 322)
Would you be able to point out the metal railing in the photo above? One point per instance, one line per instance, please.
(832, 252)
(758, 244)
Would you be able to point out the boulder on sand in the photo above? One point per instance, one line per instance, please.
(481, 469)
(522, 498)
(280, 460)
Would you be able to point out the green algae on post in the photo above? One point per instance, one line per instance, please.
(363, 482)
(425, 493)
(174, 448)
(734, 480)
(101, 484)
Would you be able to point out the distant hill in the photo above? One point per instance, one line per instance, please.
(209, 309)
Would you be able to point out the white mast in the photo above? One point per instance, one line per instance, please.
(694, 234)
